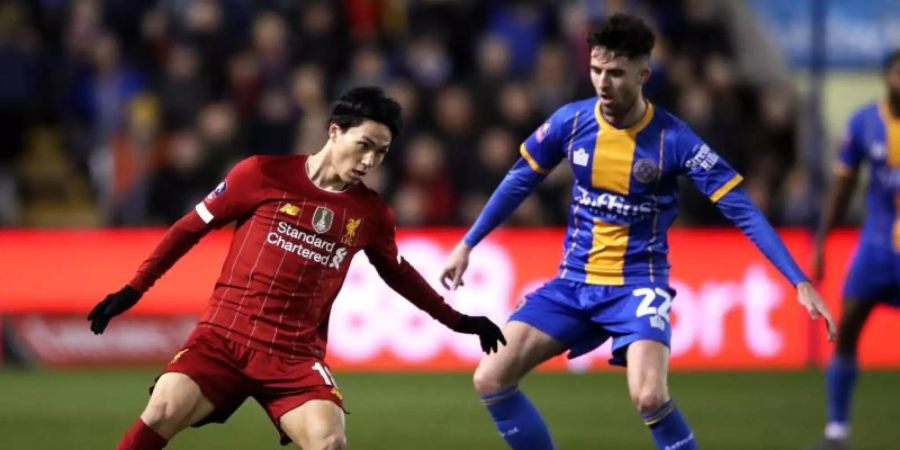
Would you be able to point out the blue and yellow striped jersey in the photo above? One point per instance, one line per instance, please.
(624, 195)
(873, 134)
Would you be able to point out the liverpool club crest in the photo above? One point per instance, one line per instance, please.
(322, 219)
(350, 231)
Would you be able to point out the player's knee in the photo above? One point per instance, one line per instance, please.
(847, 348)
(488, 381)
(484, 383)
(846, 344)
(332, 441)
(165, 417)
(849, 331)
(649, 400)
(154, 414)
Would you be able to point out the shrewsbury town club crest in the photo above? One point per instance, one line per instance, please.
(645, 171)
(321, 219)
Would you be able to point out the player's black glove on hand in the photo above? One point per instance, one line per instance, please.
(111, 306)
(487, 332)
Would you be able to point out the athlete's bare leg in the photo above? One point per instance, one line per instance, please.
(316, 425)
(526, 348)
(648, 368)
(175, 404)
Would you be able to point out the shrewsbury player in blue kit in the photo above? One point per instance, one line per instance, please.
(625, 155)
(873, 134)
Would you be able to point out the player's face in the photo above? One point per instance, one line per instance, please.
(617, 80)
(359, 149)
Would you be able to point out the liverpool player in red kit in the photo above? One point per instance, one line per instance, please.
(300, 220)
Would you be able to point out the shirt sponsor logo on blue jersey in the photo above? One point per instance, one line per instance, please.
(704, 158)
(614, 205)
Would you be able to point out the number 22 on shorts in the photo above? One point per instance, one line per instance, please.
(659, 315)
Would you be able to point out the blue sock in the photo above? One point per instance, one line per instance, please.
(839, 381)
(517, 420)
(670, 431)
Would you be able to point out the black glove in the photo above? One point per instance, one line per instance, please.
(111, 306)
(487, 331)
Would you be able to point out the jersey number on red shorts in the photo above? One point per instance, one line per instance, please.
(326, 375)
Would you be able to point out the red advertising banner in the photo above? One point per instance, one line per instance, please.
(733, 309)
(60, 340)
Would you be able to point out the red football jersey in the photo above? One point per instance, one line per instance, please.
(292, 247)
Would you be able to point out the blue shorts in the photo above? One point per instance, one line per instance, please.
(583, 316)
(874, 275)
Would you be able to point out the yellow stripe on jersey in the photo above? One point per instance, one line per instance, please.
(607, 256)
(531, 162)
(892, 142)
(614, 152)
(896, 237)
(892, 135)
(611, 170)
(727, 187)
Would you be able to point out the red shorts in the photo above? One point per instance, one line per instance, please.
(228, 373)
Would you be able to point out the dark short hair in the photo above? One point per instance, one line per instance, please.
(891, 58)
(366, 103)
(623, 35)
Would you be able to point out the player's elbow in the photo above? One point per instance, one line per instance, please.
(387, 272)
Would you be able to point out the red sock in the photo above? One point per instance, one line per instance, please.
(141, 437)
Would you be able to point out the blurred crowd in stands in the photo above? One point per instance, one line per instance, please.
(123, 113)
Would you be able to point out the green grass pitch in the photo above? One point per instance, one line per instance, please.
(90, 409)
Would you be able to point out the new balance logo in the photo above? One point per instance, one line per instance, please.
(290, 209)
